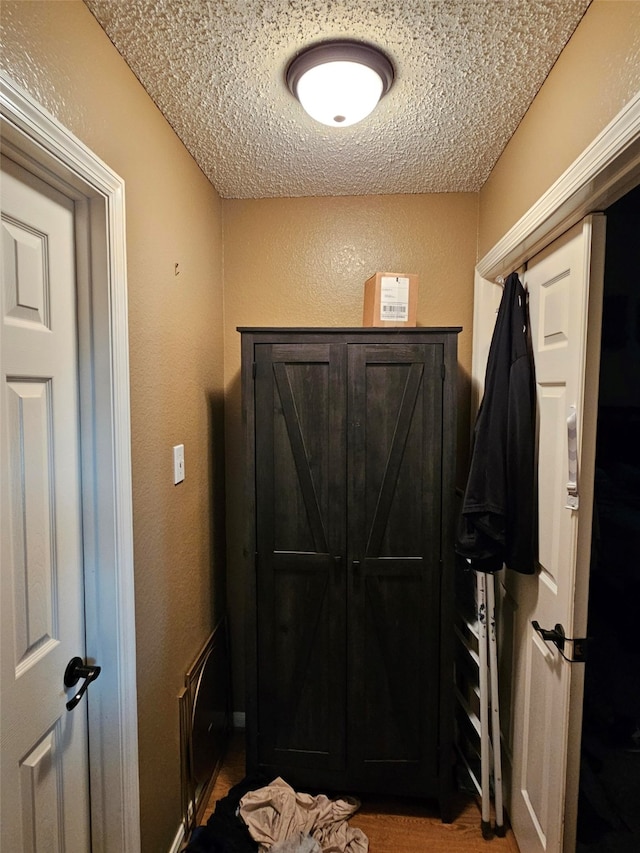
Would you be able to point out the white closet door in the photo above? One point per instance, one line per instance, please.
(565, 284)
(45, 788)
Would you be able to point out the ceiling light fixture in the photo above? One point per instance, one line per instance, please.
(339, 83)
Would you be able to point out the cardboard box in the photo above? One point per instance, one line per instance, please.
(390, 299)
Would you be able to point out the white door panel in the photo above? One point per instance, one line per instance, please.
(44, 747)
(565, 293)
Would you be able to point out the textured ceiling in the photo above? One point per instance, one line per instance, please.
(466, 72)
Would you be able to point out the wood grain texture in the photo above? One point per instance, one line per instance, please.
(392, 825)
(350, 458)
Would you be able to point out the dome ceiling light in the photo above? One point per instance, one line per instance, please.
(339, 83)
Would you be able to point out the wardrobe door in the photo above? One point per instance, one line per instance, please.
(300, 406)
(394, 522)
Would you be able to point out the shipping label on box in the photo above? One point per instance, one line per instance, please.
(390, 299)
(394, 298)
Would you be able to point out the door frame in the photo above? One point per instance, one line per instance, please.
(37, 141)
(607, 169)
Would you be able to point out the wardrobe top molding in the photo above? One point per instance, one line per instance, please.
(350, 330)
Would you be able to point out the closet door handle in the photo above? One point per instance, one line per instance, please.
(355, 570)
(558, 637)
(76, 670)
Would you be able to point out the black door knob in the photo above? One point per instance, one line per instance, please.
(77, 669)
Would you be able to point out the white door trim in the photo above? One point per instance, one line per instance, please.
(35, 138)
(605, 171)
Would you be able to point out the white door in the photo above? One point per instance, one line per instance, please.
(45, 799)
(565, 297)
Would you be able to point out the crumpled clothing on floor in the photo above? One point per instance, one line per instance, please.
(225, 831)
(301, 844)
(277, 813)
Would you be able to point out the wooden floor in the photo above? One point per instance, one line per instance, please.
(392, 826)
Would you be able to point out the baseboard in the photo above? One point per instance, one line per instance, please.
(178, 841)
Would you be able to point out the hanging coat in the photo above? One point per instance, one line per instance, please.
(497, 524)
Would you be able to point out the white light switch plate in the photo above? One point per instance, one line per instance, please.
(178, 464)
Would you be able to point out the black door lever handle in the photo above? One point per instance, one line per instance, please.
(558, 637)
(77, 669)
(555, 636)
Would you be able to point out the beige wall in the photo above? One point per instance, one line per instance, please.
(595, 76)
(287, 262)
(303, 262)
(60, 55)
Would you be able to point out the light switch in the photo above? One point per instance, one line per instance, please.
(178, 464)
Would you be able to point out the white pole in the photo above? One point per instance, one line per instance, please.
(495, 705)
(485, 758)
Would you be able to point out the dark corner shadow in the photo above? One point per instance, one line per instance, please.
(217, 499)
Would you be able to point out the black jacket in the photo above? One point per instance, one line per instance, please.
(497, 524)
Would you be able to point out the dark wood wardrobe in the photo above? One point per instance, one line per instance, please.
(350, 455)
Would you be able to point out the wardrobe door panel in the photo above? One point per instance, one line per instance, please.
(300, 584)
(394, 520)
